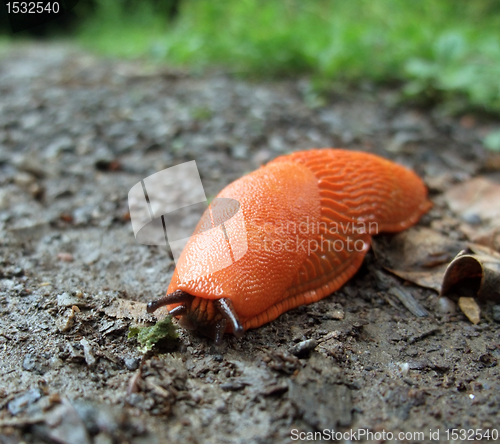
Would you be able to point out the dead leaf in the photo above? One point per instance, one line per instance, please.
(492, 162)
(478, 197)
(124, 308)
(474, 272)
(470, 309)
(484, 235)
(419, 255)
(487, 254)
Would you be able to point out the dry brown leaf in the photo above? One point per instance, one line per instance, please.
(487, 235)
(419, 255)
(486, 254)
(478, 197)
(429, 279)
(124, 308)
(492, 162)
(475, 272)
(470, 309)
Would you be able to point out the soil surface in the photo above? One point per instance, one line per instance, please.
(77, 132)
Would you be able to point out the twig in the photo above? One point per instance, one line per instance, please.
(21, 422)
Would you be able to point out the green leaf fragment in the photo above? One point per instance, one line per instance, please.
(149, 336)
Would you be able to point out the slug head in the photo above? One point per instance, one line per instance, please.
(211, 317)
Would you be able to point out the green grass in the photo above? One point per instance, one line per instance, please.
(4, 44)
(443, 50)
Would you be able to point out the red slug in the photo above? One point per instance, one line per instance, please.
(307, 222)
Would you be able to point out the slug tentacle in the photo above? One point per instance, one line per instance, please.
(175, 297)
(225, 306)
(178, 311)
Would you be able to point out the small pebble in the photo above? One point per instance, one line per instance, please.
(496, 313)
(55, 362)
(29, 362)
(65, 257)
(88, 352)
(303, 348)
(220, 406)
(239, 151)
(22, 402)
(447, 306)
(131, 363)
(103, 438)
(67, 300)
(337, 313)
(404, 367)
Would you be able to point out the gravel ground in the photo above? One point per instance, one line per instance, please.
(76, 133)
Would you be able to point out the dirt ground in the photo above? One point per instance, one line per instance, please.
(77, 132)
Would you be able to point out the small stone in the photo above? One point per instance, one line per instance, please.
(66, 321)
(239, 151)
(23, 179)
(62, 143)
(276, 143)
(30, 163)
(404, 368)
(88, 353)
(65, 257)
(29, 363)
(471, 218)
(5, 199)
(92, 257)
(446, 306)
(7, 284)
(103, 438)
(336, 313)
(220, 406)
(303, 348)
(496, 313)
(23, 401)
(67, 300)
(234, 385)
(131, 363)
(83, 215)
(55, 362)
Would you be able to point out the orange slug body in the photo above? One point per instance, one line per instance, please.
(308, 220)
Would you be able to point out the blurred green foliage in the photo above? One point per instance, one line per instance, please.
(492, 141)
(444, 51)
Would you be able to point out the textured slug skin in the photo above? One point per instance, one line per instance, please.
(304, 218)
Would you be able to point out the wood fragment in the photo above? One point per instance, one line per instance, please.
(409, 302)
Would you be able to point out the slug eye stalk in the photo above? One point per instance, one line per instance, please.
(176, 297)
(212, 323)
(226, 308)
